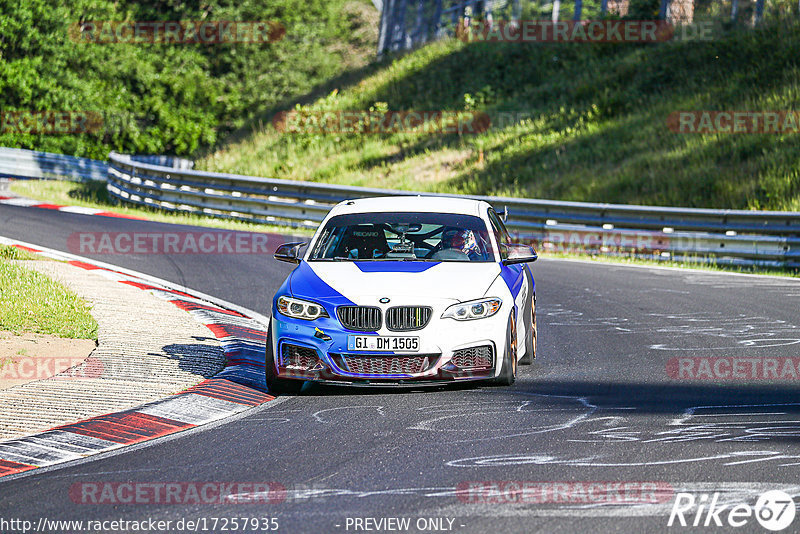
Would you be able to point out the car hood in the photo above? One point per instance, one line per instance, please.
(361, 283)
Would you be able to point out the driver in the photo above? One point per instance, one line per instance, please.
(461, 240)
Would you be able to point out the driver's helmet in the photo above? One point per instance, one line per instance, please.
(460, 239)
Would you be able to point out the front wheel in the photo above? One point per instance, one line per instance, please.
(508, 373)
(274, 384)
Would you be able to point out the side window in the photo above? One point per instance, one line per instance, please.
(500, 236)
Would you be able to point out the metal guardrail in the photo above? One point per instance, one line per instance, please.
(20, 163)
(682, 234)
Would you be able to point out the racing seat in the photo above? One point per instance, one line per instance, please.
(367, 241)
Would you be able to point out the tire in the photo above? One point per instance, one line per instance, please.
(274, 384)
(530, 340)
(508, 373)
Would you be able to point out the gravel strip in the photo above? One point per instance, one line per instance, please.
(147, 349)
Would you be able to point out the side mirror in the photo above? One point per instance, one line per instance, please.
(519, 253)
(289, 252)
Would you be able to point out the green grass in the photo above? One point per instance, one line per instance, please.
(95, 195)
(592, 123)
(32, 302)
(13, 253)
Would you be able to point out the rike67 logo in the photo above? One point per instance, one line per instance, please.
(774, 510)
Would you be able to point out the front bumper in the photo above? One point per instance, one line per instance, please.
(449, 351)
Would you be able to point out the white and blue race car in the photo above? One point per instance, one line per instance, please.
(404, 290)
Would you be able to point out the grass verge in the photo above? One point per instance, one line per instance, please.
(13, 253)
(33, 302)
(569, 121)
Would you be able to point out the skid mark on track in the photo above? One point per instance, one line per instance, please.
(459, 501)
(735, 423)
(463, 420)
(690, 331)
(318, 415)
(730, 494)
(732, 458)
(731, 424)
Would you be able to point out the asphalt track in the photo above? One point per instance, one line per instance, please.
(597, 405)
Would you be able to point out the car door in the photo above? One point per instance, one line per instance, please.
(519, 280)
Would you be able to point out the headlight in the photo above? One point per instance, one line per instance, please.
(300, 309)
(473, 309)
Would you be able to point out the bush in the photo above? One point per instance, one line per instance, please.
(158, 98)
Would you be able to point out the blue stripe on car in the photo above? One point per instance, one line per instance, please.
(305, 283)
(394, 266)
(512, 278)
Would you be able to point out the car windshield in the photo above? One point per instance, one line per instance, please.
(403, 237)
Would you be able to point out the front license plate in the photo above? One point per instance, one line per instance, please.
(383, 343)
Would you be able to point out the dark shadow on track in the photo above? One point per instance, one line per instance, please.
(667, 397)
(202, 360)
(311, 389)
